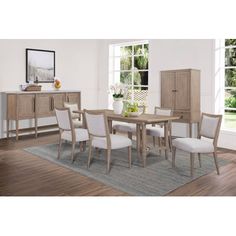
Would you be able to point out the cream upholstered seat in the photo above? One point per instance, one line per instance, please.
(193, 145)
(158, 131)
(116, 142)
(100, 136)
(68, 132)
(209, 128)
(75, 116)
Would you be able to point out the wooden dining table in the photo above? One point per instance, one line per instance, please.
(141, 122)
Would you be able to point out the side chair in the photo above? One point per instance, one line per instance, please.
(205, 143)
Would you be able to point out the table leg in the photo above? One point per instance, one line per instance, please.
(7, 129)
(144, 154)
(138, 141)
(110, 126)
(166, 139)
(190, 130)
(17, 130)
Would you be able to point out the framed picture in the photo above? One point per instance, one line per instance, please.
(40, 66)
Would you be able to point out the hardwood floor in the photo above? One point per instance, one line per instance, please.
(22, 174)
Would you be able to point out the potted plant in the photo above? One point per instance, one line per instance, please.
(118, 92)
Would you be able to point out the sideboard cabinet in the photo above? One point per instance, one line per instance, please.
(180, 91)
(35, 105)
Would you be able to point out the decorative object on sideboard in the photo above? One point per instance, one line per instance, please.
(118, 93)
(40, 66)
(57, 84)
(30, 87)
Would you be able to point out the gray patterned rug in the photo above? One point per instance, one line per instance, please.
(156, 179)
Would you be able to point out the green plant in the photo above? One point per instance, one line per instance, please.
(132, 107)
(230, 102)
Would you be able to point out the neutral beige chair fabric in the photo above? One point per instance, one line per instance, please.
(75, 116)
(205, 143)
(157, 131)
(68, 132)
(100, 136)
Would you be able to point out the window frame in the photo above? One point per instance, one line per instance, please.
(113, 70)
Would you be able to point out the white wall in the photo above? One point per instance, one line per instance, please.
(76, 66)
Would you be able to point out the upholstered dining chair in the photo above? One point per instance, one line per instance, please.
(205, 143)
(157, 131)
(128, 128)
(75, 116)
(100, 137)
(68, 132)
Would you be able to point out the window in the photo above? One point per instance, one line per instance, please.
(129, 65)
(230, 83)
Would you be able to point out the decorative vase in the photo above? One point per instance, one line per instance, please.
(118, 105)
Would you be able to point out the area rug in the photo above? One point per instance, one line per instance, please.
(157, 179)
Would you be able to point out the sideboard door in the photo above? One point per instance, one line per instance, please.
(73, 98)
(26, 106)
(58, 100)
(44, 105)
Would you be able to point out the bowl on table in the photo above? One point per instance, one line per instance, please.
(134, 114)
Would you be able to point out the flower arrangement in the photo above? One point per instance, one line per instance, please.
(118, 90)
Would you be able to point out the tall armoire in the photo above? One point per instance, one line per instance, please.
(180, 91)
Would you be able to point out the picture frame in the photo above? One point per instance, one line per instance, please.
(40, 66)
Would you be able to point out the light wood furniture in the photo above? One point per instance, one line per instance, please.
(158, 131)
(35, 105)
(100, 137)
(68, 132)
(180, 91)
(141, 122)
(209, 128)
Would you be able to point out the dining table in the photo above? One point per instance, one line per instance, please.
(141, 121)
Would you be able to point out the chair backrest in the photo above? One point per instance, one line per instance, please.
(163, 111)
(96, 122)
(71, 106)
(210, 126)
(64, 118)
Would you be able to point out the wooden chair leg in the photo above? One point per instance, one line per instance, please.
(192, 163)
(84, 146)
(173, 156)
(108, 160)
(130, 135)
(114, 131)
(59, 147)
(81, 146)
(154, 141)
(159, 144)
(129, 156)
(199, 159)
(216, 163)
(72, 152)
(170, 143)
(90, 153)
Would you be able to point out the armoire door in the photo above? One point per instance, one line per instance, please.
(167, 89)
(182, 90)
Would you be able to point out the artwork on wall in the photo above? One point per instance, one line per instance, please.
(40, 66)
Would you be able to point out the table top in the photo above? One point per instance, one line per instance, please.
(143, 118)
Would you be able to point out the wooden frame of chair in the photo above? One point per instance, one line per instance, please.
(215, 139)
(159, 139)
(73, 138)
(107, 136)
